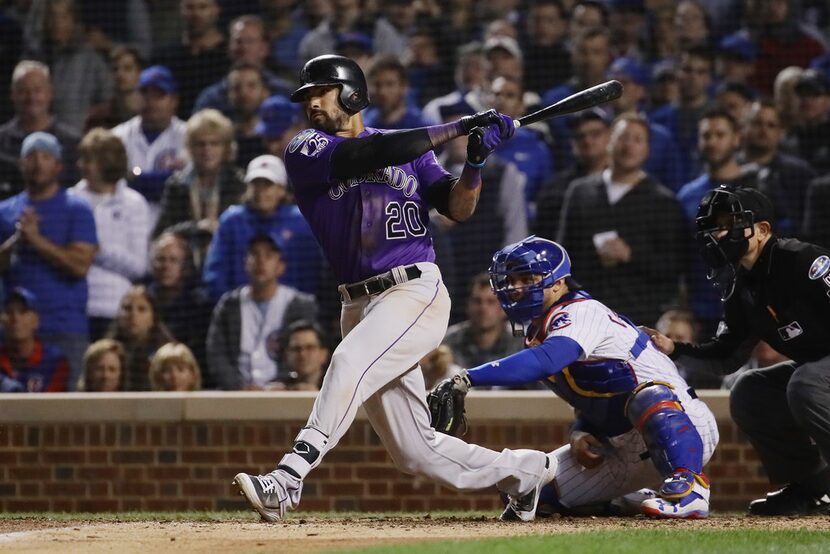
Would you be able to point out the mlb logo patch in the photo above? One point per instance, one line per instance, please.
(791, 331)
(820, 267)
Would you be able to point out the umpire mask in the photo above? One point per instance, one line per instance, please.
(721, 224)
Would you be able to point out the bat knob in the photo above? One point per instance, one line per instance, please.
(517, 123)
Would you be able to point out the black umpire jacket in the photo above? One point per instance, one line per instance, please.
(783, 300)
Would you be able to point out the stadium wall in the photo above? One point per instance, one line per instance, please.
(171, 451)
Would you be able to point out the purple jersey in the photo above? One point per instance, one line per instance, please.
(368, 224)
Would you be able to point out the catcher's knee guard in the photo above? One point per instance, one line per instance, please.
(672, 439)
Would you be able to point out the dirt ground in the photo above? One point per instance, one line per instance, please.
(318, 534)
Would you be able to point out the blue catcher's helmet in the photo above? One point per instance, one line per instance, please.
(532, 255)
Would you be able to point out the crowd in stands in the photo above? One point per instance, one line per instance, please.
(148, 234)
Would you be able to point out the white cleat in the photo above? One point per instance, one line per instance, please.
(524, 507)
(265, 493)
(684, 495)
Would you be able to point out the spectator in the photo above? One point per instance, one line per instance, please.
(782, 177)
(527, 149)
(125, 104)
(139, 328)
(11, 50)
(85, 80)
(786, 100)
(247, 47)
(396, 23)
(183, 303)
(735, 98)
(664, 90)
(389, 90)
(121, 223)
(680, 325)
(285, 28)
(112, 25)
(781, 38)
(627, 22)
(810, 137)
(692, 25)
(358, 46)
(265, 210)
(31, 95)
(681, 119)
(429, 77)
(471, 70)
(346, 17)
(48, 245)
(199, 58)
(485, 335)
(816, 227)
(500, 216)
(718, 145)
(305, 355)
(104, 363)
(547, 61)
(664, 157)
(586, 14)
(279, 121)
(590, 134)
(625, 260)
(438, 365)
(154, 139)
(736, 59)
(247, 92)
(505, 57)
(174, 369)
(245, 331)
(26, 363)
(194, 197)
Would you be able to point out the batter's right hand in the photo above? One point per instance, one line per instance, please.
(587, 449)
(663, 343)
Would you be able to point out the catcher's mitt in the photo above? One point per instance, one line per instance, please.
(446, 405)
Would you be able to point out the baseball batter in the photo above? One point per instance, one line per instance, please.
(366, 194)
(637, 421)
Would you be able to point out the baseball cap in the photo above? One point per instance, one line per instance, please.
(355, 39)
(456, 109)
(591, 114)
(738, 47)
(271, 239)
(160, 77)
(663, 71)
(508, 44)
(24, 296)
(41, 142)
(628, 69)
(631, 6)
(757, 202)
(276, 115)
(267, 167)
(741, 89)
(812, 83)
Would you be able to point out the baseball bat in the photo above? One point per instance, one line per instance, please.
(582, 100)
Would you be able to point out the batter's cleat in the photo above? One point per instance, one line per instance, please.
(792, 500)
(266, 494)
(523, 508)
(683, 495)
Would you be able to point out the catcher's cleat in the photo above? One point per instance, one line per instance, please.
(683, 495)
(265, 493)
(792, 500)
(523, 508)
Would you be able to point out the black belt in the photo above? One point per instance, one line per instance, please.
(378, 283)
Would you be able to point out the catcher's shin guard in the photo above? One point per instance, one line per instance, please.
(672, 439)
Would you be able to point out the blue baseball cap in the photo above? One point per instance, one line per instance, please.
(738, 47)
(160, 77)
(271, 239)
(456, 109)
(628, 69)
(24, 296)
(360, 40)
(41, 142)
(276, 115)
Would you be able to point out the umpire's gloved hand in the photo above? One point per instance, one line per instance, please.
(482, 141)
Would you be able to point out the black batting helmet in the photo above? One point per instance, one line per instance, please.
(339, 71)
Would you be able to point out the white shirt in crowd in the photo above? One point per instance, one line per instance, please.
(123, 227)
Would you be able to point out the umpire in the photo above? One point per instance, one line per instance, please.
(776, 290)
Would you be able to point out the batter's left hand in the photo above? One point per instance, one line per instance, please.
(482, 141)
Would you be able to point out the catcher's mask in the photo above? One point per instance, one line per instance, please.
(520, 273)
(723, 217)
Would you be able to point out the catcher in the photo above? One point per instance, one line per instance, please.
(637, 421)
